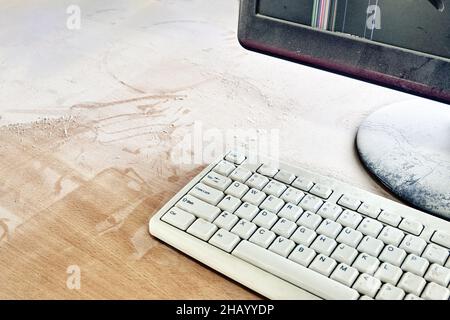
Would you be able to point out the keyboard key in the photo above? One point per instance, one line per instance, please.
(247, 211)
(309, 220)
(368, 285)
(250, 164)
(390, 218)
(311, 203)
(235, 157)
(292, 195)
(435, 254)
(350, 219)
(303, 184)
(206, 193)
(323, 265)
(411, 226)
(240, 174)
(302, 255)
(178, 218)
(284, 227)
(324, 245)
(282, 246)
(199, 208)
(349, 202)
(330, 211)
(371, 246)
(329, 228)
(390, 235)
(441, 238)
(230, 204)
(388, 273)
(226, 220)
(366, 263)
(369, 210)
(285, 177)
(393, 255)
(254, 196)
(244, 229)
(438, 274)
(413, 244)
(257, 181)
(350, 237)
(290, 212)
(217, 181)
(412, 283)
(321, 191)
(224, 168)
(345, 274)
(415, 264)
(304, 236)
(370, 227)
(274, 188)
(224, 240)
(237, 189)
(389, 292)
(434, 291)
(202, 229)
(272, 204)
(262, 237)
(293, 272)
(265, 219)
(345, 254)
(268, 170)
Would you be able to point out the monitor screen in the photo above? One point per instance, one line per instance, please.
(419, 25)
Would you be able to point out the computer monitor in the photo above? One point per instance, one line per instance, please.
(401, 44)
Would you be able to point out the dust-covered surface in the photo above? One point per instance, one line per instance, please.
(407, 147)
(92, 121)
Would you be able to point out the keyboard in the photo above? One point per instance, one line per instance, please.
(288, 233)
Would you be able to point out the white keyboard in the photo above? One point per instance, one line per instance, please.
(288, 233)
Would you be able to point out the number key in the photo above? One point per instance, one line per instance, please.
(321, 191)
(350, 219)
(435, 254)
(330, 211)
(349, 202)
(311, 203)
(390, 218)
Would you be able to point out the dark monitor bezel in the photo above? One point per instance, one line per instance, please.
(406, 70)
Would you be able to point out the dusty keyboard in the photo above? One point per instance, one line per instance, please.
(291, 234)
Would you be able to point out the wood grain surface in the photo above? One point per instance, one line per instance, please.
(93, 121)
(57, 213)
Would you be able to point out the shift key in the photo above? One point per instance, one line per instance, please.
(199, 208)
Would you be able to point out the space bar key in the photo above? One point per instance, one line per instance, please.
(294, 273)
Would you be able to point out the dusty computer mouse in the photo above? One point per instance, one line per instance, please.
(407, 147)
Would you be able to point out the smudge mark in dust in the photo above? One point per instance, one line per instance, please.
(54, 162)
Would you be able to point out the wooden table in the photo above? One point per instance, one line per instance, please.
(93, 121)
